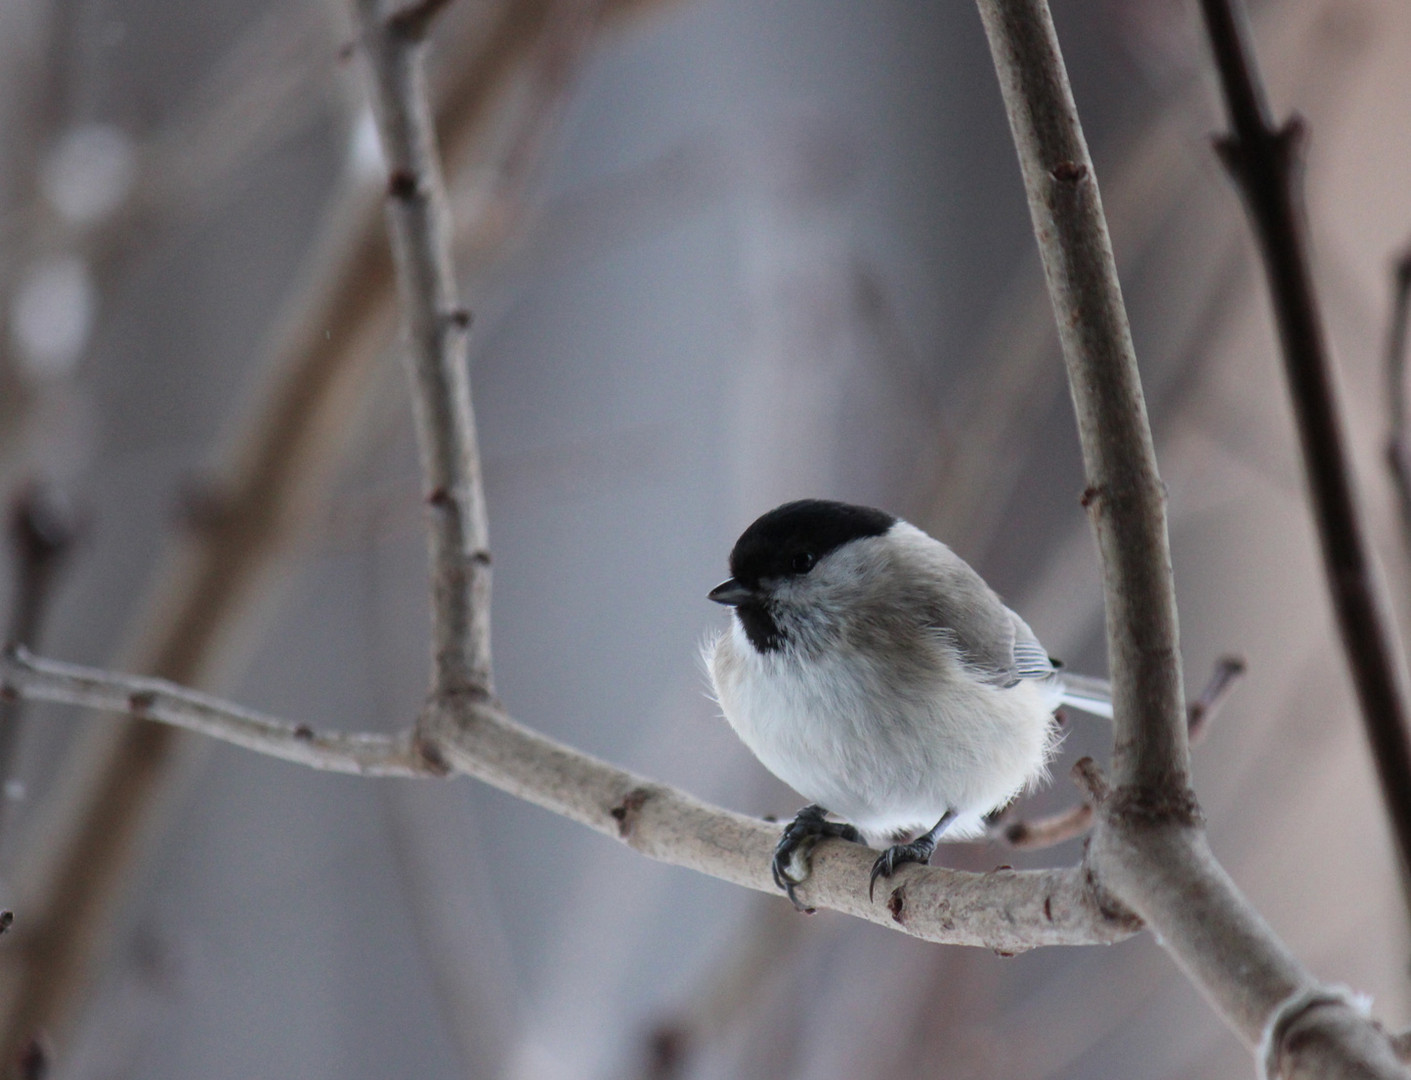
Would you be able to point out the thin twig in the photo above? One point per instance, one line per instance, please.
(1207, 705)
(41, 534)
(1046, 832)
(1399, 441)
(1005, 911)
(435, 325)
(1038, 833)
(1266, 162)
(42, 531)
(1149, 849)
(24, 675)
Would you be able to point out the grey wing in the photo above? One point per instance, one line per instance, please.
(992, 641)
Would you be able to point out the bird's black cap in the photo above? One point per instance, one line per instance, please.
(791, 538)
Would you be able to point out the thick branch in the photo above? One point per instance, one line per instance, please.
(1266, 163)
(1006, 910)
(1124, 496)
(1149, 848)
(435, 326)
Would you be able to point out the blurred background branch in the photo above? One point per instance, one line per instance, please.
(319, 365)
(1265, 161)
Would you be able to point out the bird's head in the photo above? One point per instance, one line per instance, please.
(783, 567)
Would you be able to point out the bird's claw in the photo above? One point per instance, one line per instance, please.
(790, 865)
(897, 856)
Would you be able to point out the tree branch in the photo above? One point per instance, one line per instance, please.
(1124, 497)
(1149, 847)
(320, 358)
(27, 676)
(1398, 448)
(41, 534)
(1266, 164)
(435, 325)
(1007, 911)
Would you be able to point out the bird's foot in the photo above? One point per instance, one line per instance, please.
(890, 861)
(919, 850)
(791, 865)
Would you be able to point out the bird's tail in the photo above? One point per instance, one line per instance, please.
(1085, 692)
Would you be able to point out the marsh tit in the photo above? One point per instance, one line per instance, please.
(873, 671)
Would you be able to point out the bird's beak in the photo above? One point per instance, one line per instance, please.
(733, 593)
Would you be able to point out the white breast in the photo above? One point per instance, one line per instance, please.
(889, 758)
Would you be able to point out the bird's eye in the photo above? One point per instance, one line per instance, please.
(802, 562)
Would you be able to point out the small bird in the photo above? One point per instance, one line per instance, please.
(873, 671)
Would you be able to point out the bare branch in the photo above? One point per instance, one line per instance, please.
(42, 533)
(1047, 832)
(1124, 497)
(1223, 680)
(1149, 848)
(435, 325)
(1007, 911)
(461, 724)
(157, 699)
(321, 357)
(43, 529)
(1399, 441)
(1265, 161)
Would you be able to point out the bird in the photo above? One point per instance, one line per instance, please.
(873, 671)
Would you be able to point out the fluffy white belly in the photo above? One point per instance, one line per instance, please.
(889, 758)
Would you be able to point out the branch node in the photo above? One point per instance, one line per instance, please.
(141, 701)
(1228, 671)
(1280, 1033)
(413, 22)
(438, 497)
(1068, 172)
(402, 184)
(34, 1059)
(627, 811)
(668, 1048)
(896, 904)
(460, 318)
(1090, 495)
(1088, 775)
(433, 761)
(1401, 1046)
(1107, 905)
(303, 732)
(1291, 138)
(1146, 807)
(1402, 269)
(7, 919)
(43, 526)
